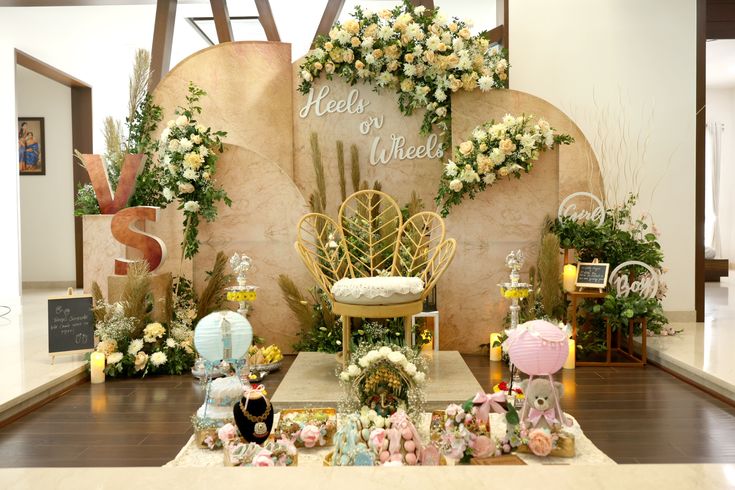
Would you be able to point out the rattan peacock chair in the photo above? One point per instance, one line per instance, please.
(370, 263)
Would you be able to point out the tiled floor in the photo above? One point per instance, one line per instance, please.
(27, 368)
(704, 351)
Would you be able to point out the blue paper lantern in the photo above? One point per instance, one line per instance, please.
(223, 335)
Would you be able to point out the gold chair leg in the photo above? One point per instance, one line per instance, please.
(408, 330)
(346, 338)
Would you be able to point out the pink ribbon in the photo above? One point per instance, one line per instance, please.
(534, 415)
(486, 402)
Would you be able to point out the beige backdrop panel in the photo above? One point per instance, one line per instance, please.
(505, 217)
(249, 95)
(261, 223)
(398, 177)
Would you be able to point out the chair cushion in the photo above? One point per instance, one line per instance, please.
(378, 290)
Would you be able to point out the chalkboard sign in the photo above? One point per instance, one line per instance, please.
(592, 275)
(70, 324)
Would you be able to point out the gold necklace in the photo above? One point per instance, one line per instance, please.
(260, 429)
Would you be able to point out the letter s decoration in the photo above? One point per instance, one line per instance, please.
(125, 231)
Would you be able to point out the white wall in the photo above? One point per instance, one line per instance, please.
(721, 109)
(47, 201)
(599, 59)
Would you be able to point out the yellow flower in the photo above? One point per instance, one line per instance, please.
(193, 160)
(465, 148)
(355, 42)
(406, 85)
(359, 65)
(464, 33)
(352, 26)
(409, 57)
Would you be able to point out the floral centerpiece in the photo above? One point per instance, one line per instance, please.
(417, 52)
(495, 149)
(189, 153)
(309, 427)
(385, 378)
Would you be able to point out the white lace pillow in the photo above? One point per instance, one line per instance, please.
(378, 290)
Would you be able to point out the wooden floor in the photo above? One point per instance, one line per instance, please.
(633, 415)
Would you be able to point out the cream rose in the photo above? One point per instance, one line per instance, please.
(455, 185)
(465, 148)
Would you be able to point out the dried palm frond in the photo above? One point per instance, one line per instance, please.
(136, 296)
(138, 82)
(296, 302)
(325, 308)
(315, 204)
(341, 169)
(355, 160)
(549, 268)
(415, 205)
(321, 183)
(97, 299)
(168, 305)
(214, 296)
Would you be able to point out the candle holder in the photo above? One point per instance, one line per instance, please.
(243, 293)
(514, 291)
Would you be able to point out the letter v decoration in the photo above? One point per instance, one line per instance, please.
(125, 231)
(131, 168)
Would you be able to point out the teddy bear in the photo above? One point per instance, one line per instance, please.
(539, 410)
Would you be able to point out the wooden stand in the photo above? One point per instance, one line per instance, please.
(628, 352)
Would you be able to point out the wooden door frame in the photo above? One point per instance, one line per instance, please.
(81, 135)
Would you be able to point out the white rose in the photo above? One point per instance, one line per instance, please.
(191, 206)
(411, 368)
(396, 357)
(165, 134)
(196, 139)
(114, 358)
(173, 145)
(384, 351)
(201, 128)
(182, 121)
(186, 188)
(353, 370)
(455, 185)
(306, 75)
(344, 376)
(203, 151)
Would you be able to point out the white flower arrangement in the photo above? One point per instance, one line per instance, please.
(189, 153)
(495, 150)
(384, 353)
(412, 50)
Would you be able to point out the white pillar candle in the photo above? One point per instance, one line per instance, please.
(496, 353)
(97, 367)
(569, 277)
(571, 357)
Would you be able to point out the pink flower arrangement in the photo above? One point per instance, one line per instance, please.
(311, 435)
(482, 447)
(263, 458)
(227, 433)
(540, 442)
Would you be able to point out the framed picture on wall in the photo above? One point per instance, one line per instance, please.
(31, 146)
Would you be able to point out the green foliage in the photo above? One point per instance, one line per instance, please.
(549, 267)
(86, 201)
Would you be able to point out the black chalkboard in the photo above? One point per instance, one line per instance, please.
(70, 324)
(592, 275)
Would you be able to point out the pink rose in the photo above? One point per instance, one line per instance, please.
(227, 433)
(539, 442)
(263, 458)
(377, 436)
(310, 435)
(482, 447)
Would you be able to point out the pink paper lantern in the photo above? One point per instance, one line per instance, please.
(537, 347)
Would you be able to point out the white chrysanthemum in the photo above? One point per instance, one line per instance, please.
(158, 358)
(419, 10)
(384, 351)
(191, 206)
(485, 83)
(384, 79)
(370, 59)
(190, 174)
(344, 376)
(385, 33)
(173, 145)
(185, 144)
(171, 343)
(455, 185)
(451, 169)
(135, 346)
(489, 178)
(353, 370)
(441, 111)
(165, 134)
(367, 43)
(432, 43)
(465, 62)
(440, 95)
(171, 124)
(182, 121)
(201, 128)
(509, 120)
(114, 358)
(203, 151)
(364, 362)
(319, 53)
(168, 194)
(196, 139)
(409, 70)
(414, 31)
(479, 134)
